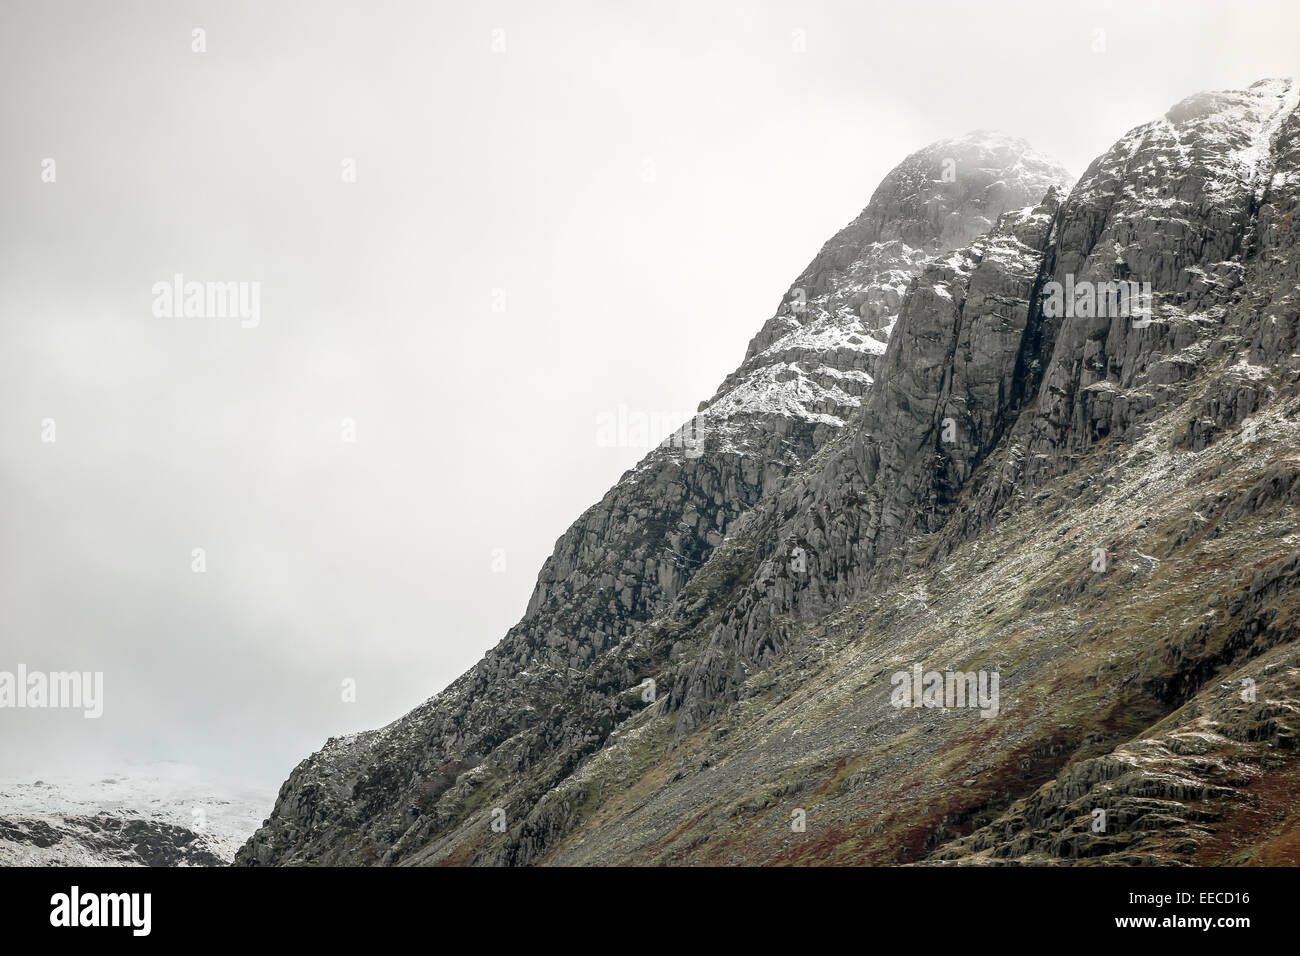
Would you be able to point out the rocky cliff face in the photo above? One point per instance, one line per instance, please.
(930, 458)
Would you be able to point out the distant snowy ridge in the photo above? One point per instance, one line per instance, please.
(162, 814)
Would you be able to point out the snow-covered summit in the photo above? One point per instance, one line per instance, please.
(152, 814)
(814, 360)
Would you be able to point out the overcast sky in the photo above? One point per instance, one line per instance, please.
(554, 213)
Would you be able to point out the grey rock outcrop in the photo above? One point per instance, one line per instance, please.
(102, 840)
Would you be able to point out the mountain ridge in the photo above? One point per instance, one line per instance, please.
(819, 524)
(155, 814)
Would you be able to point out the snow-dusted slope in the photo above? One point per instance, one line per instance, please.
(814, 360)
(162, 814)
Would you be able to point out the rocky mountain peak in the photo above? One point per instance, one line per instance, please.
(921, 464)
(815, 358)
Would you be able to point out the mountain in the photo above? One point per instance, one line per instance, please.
(1002, 436)
(161, 814)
